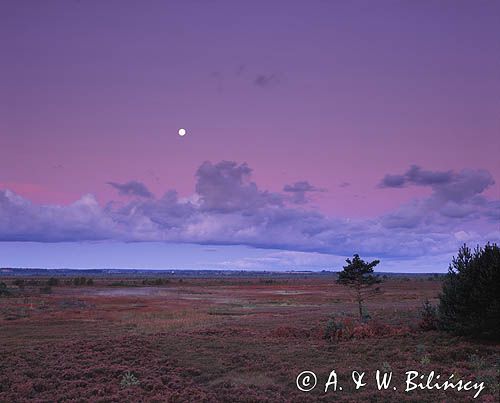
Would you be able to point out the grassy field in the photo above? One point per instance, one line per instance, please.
(230, 340)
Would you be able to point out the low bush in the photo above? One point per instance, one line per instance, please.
(4, 291)
(46, 289)
(52, 282)
(348, 328)
(156, 281)
(128, 380)
(428, 317)
(78, 281)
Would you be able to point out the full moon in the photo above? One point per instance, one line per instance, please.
(182, 132)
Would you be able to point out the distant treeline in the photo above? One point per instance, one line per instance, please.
(38, 272)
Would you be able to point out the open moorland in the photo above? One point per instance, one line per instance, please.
(229, 340)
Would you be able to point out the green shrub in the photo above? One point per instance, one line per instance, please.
(52, 282)
(428, 316)
(332, 328)
(128, 380)
(155, 281)
(82, 281)
(4, 291)
(46, 289)
(470, 300)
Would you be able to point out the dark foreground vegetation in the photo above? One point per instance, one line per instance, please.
(470, 301)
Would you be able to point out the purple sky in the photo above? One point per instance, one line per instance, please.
(329, 127)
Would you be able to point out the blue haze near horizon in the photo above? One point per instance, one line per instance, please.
(158, 255)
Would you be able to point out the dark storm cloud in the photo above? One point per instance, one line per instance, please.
(132, 188)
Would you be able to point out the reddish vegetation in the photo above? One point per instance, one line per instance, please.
(228, 340)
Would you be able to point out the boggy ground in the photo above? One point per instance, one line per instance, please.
(231, 340)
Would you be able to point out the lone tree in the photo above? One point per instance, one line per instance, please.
(470, 301)
(358, 275)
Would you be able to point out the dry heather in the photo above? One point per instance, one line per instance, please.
(231, 341)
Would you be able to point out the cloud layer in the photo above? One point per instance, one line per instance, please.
(229, 208)
(299, 191)
(132, 188)
(456, 200)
